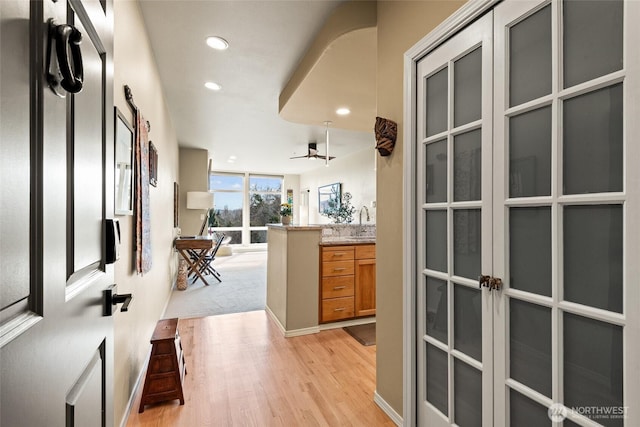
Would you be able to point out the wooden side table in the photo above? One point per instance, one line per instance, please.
(166, 369)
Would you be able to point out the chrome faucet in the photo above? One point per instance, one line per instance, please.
(360, 214)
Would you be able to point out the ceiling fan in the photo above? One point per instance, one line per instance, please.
(312, 153)
(313, 149)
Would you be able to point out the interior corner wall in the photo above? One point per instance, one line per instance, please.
(194, 176)
(356, 172)
(134, 65)
(401, 24)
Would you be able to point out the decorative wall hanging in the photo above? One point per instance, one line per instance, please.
(143, 258)
(386, 131)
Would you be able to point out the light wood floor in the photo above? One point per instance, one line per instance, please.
(243, 372)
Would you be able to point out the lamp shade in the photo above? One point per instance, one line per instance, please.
(199, 200)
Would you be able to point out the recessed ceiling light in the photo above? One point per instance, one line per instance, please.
(212, 86)
(343, 111)
(217, 43)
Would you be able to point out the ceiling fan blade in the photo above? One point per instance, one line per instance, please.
(300, 157)
(320, 156)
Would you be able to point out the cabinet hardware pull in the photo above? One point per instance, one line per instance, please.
(340, 309)
(335, 288)
(338, 254)
(339, 269)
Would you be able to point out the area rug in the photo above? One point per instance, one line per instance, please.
(364, 334)
(243, 288)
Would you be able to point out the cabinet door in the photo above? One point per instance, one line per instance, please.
(365, 287)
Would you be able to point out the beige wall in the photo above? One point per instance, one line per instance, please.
(292, 277)
(134, 65)
(400, 25)
(194, 176)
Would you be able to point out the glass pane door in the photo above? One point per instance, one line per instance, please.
(454, 334)
(526, 170)
(560, 213)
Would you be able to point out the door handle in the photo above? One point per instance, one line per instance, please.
(489, 282)
(111, 298)
(70, 72)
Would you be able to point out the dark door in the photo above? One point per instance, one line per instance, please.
(56, 346)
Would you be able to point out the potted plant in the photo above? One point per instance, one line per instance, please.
(340, 212)
(286, 210)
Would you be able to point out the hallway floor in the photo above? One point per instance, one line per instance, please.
(243, 372)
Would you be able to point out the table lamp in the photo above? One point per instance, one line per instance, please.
(202, 200)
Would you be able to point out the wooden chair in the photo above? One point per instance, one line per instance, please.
(205, 267)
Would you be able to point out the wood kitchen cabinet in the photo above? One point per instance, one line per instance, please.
(365, 280)
(347, 282)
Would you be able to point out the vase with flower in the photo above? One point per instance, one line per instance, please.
(286, 210)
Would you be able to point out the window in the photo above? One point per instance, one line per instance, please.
(244, 204)
(265, 195)
(228, 197)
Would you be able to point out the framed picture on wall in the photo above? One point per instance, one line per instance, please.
(124, 159)
(153, 165)
(176, 204)
(329, 195)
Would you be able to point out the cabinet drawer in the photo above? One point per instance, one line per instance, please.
(365, 251)
(337, 253)
(337, 308)
(162, 364)
(337, 268)
(338, 286)
(163, 347)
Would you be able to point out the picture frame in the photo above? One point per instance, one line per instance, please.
(124, 160)
(327, 193)
(153, 165)
(176, 204)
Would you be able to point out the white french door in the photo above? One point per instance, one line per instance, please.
(526, 144)
(454, 213)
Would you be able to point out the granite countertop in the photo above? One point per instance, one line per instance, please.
(337, 236)
(348, 240)
(294, 227)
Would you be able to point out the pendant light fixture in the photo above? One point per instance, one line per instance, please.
(326, 159)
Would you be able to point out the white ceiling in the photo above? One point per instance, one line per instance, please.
(267, 40)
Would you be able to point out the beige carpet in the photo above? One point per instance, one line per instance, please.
(243, 288)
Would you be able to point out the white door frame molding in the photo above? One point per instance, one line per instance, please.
(460, 19)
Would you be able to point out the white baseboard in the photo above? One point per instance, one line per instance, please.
(294, 332)
(317, 328)
(303, 331)
(395, 417)
(134, 392)
(275, 319)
